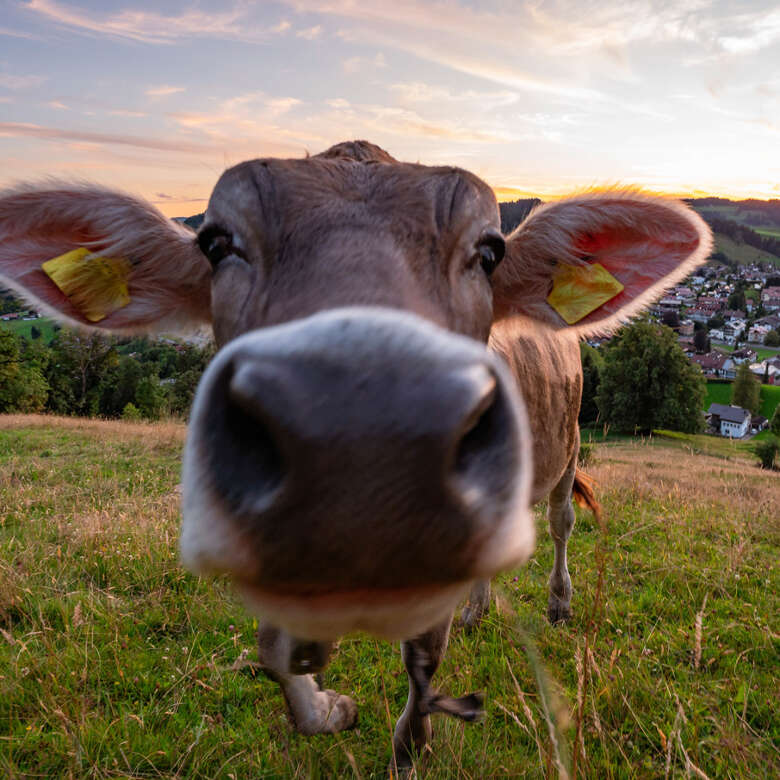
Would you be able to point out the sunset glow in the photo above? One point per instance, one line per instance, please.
(539, 97)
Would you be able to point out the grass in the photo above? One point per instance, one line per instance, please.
(114, 662)
(744, 254)
(24, 328)
(773, 232)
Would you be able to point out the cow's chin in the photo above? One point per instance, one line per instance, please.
(394, 614)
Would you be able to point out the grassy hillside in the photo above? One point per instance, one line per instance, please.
(24, 328)
(114, 662)
(744, 254)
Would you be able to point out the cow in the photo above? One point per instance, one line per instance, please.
(397, 382)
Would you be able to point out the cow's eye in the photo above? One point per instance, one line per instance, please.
(217, 245)
(491, 250)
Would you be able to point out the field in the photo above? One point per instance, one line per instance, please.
(744, 254)
(23, 328)
(773, 232)
(114, 662)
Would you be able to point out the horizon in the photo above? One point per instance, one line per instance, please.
(537, 98)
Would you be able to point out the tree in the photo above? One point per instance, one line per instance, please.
(79, 361)
(592, 365)
(23, 387)
(774, 424)
(746, 390)
(736, 301)
(701, 341)
(150, 398)
(647, 382)
(772, 338)
(767, 452)
(35, 332)
(671, 318)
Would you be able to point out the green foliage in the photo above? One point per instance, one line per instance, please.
(130, 413)
(767, 450)
(736, 300)
(585, 454)
(772, 338)
(746, 390)
(701, 341)
(150, 398)
(647, 382)
(23, 387)
(774, 423)
(592, 366)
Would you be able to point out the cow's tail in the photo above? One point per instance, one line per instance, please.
(583, 494)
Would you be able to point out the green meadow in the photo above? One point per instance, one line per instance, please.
(115, 662)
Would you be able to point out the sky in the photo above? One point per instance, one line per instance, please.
(542, 97)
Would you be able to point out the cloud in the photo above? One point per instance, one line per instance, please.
(310, 33)
(26, 130)
(157, 28)
(360, 64)
(59, 105)
(10, 81)
(130, 114)
(163, 91)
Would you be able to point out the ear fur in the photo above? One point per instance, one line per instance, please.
(647, 242)
(169, 281)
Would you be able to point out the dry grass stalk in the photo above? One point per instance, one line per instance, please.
(697, 635)
(529, 716)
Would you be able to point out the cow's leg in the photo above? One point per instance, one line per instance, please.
(422, 657)
(311, 709)
(560, 516)
(477, 604)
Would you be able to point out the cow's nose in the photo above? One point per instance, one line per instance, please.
(276, 420)
(357, 449)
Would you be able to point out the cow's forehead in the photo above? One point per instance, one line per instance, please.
(342, 188)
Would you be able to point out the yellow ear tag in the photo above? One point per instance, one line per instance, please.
(579, 290)
(97, 287)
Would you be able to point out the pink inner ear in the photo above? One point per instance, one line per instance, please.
(639, 263)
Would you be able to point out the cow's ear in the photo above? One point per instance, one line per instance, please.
(95, 257)
(591, 261)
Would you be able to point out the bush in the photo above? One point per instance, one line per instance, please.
(585, 455)
(131, 413)
(767, 452)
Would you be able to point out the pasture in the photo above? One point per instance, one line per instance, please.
(115, 662)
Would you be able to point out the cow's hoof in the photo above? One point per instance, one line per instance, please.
(558, 612)
(471, 617)
(409, 741)
(331, 713)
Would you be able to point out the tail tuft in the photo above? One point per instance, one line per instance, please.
(583, 494)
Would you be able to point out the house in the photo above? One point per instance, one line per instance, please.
(765, 372)
(686, 328)
(758, 423)
(744, 354)
(731, 421)
(711, 364)
(770, 298)
(732, 331)
(757, 333)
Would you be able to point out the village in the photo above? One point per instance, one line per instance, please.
(725, 317)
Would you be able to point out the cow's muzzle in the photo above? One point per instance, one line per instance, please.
(357, 457)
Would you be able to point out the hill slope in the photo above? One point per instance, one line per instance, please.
(118, 662)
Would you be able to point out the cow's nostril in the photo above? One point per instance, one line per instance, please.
(485, 450)
(253, 455)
